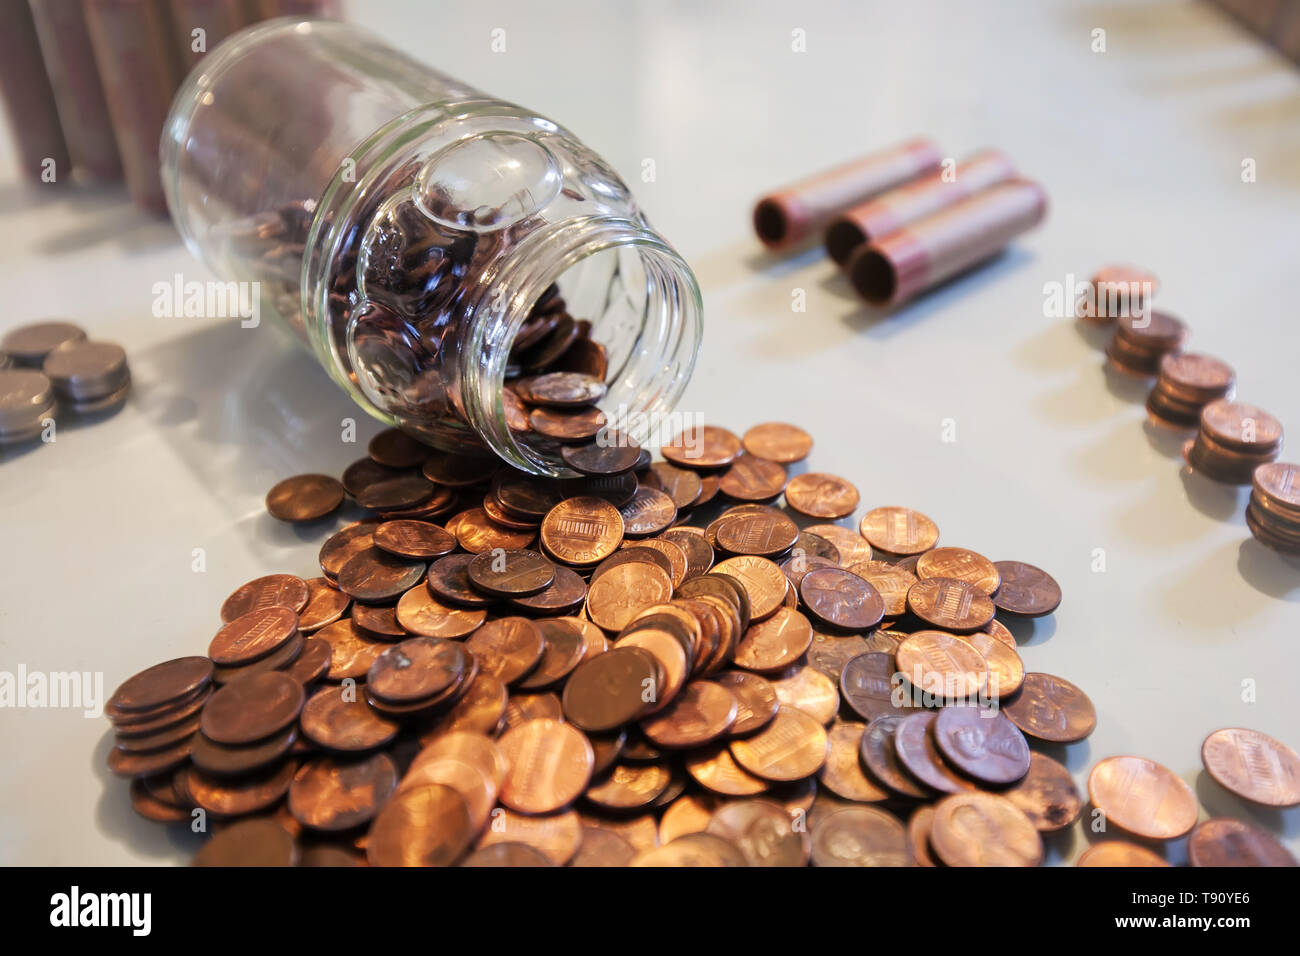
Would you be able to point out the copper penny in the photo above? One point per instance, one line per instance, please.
(511, 573)
(561, 389)
(273, 590)
(777, 441)
(233, 797)
(330, 794)
(375, 576)
(253, 635)
(808, 690)
(756, 702)
(715, 769)
(416, 669)
(252, 708)
(477, 533)
(677, 566)
(346, 544)
(649, 512)
(820, 495)
(693, 850)
(859, 836)
(525, 496)
(915, 745)
(124, 763)
(602, 847)
(702, 713)
(564, 594)
(522, 708)
(1006, 670)
(1240, 427)
(1119, 853)
(919, 825)
(984, 829)
(630, 786)
(565, 648)
(507, 648)
(889, 580)
(1026, 590)
(220, 760)
(448, 581)
(791, 747)
(336, 719)
(812, 545)
(1000, 633)
(428, 825)
(942, 665)
(772, 645)
(616, 597)
(1047, 794)
(397, 494)
(615, 489)
(843, 773)
(950, 604)
(325, 605)
(752, 479)
(161, 684)
(582, 531)
(756, 533)
(680, 484)
(414, 540)
(763, 581)
(690, 813)
(482, 710)
(840, 598)
(304, 498)
(258, 841)
(669, 648)
(1254, 766)
(1051, 708)
(568, 425)
(459, 471)
(394, 448)
(982, 743)
(555, 836)
(960, 563)
(703, 446)
(365, 472)
(868, 684)
(151, 808)
(549, 766)
(609, 454)
(419, 613)
(1224, 842)
(899, 530)
(853, 549)
(1142, 797)
(611, 689)
(1279, 483)
(762, 831)
(828, 653)
(695, 547)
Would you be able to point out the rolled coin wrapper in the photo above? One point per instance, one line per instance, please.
(785, 218)
(87, 126)
(905, 205)
(894, 268)
(29, 98)
(137, 64)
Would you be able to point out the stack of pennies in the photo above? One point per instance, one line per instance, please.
(27, 401)
(89, 376)
(649, 664)
(28, 345)
(1116, 291)
(1234, 439)
(1142, 339)
(1186, 384)
(1273, 513)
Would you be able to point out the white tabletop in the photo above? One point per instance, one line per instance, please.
(1140, 149)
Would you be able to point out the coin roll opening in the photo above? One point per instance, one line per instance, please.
(842, 239)
(873, 276)
(770, 222)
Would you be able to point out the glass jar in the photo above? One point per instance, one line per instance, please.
(416, 234)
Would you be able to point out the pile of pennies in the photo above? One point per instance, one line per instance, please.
(648, 664)
(1194, 391)
(46, 366)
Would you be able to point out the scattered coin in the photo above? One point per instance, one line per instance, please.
(1051, 708)
(304, 498)
(1026, 590)
(984, 829)
(859, 836)
(900, 531)
(1142, 797)
(1224, 842)
(1254, 766)
(779, 442)
(1119, 853)
(820, 495)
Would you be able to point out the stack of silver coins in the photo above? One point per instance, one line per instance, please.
(48, 365)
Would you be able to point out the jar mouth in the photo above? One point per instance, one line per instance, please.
(645, 308)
